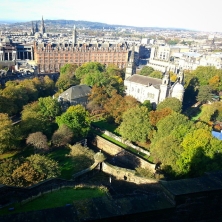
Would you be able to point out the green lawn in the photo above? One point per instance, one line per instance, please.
(7, 155)
(56, 199)
(66, 163)
(103, 124)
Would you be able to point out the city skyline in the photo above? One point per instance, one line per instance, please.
(191, 14)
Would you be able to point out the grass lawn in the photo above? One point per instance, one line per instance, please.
(66, 163)
(103, 124)
(7, 155)
(56, 199)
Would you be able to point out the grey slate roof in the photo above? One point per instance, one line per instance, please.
(76, 92)
(144, 80)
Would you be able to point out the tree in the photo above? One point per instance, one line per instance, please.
(49, 107)
(204, 94)
(77, 119)
(89, 67)
(146, 70)
(38, 140)
(207, 112)
(135, 125)
(148, 105)
(117, 105)
(97, 98)
(172, 103)
(167, 150)
(156, 116)
(47, 167)
(7, 166)
(25, 175)
(6, 133)
(67, 77)
(62, 136)
(33, 120)
(156, 74)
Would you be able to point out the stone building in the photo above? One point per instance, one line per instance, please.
(10, 51)
(75, 95)
(49, 57)
(155, 90)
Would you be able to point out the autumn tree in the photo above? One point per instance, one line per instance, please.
(62, 136)
(7, 166)
(135, 125)
(38, 140)
(67, 77)
(25, 175)
(157, 115)
(117, 105)
(172, 103)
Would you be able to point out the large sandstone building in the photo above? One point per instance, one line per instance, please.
(49, 57)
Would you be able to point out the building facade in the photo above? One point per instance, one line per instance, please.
(155, 90)
(50, 57)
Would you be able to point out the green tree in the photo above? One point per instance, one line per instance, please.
(146, 70)
(148, 105)
(204, 94)
(172, 103)
(135, 125)
(49, 107)
(6, 133)
(77, 119)
(156, 74)
(89, 67)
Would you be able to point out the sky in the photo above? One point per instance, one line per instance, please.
(202, 15)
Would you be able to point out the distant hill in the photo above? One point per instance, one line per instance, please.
(87, 24)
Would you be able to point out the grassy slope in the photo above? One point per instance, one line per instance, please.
(56, 199)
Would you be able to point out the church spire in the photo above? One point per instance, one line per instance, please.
(74, 37)
(42, 26)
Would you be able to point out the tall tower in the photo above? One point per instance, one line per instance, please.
(32, 29)
(42, 26)
(36, 27)
(130, 68)
(165, 87)
(74, 36)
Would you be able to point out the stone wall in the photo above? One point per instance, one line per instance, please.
(125, 174)
(126, 142)
(115, 150)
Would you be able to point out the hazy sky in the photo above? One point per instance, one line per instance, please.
(192, 14)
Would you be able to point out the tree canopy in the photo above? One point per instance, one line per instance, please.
(135, 125)
(172, 103)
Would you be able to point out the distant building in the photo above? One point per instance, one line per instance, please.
(10, 51)
(50, 57)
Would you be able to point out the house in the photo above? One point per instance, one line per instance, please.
(75, 95)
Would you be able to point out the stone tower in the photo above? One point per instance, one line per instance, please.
(178, 87)
(74, 36)
(165, 86)
(42, 26)
(32, 29)
(130, 68)
(36, 27)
